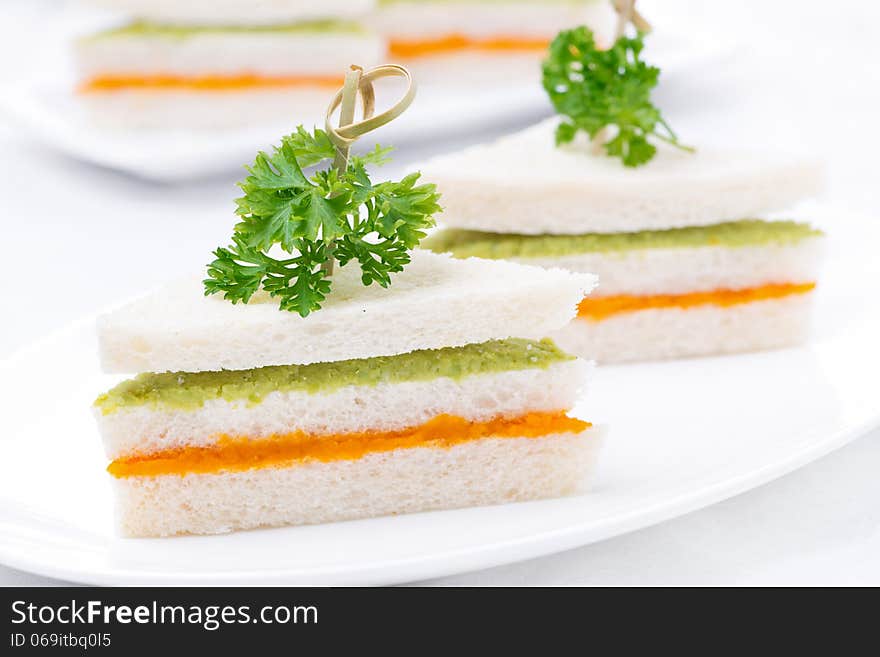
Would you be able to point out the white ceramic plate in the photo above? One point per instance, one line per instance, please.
(683, 435)
(46, 109)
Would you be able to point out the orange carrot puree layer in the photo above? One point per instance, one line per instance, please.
(207, 82)
(603, 307)
(237, 454)
(458, 42)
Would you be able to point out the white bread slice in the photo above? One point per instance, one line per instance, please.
(235, 12)
(488, 471)
(205, 110)
(142, 430)
(683, 270)
(490, 18)
(659, 334)
(524, 184)
(205, 53)
(435, 302)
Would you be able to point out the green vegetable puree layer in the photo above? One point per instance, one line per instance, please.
(162, 30)
(184, 390)
(733, 234)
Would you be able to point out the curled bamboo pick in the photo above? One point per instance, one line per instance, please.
(357, 82)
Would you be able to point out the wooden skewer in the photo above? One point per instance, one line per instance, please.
(345, 135)
(357, 82)
(346, 113)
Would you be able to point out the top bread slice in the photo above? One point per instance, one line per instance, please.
(235, 12)
(524, 184)
(435, 302)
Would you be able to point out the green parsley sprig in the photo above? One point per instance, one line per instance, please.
(595, 89)
(293, 224)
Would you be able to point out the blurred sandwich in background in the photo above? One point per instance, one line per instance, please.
(475, 40)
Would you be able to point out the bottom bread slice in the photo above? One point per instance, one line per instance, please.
(204, 110)
(482, 472)
(664, 333)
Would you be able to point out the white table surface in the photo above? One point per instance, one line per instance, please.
(805, 74)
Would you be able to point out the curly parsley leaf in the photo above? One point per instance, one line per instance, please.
(292, 224)
(596, 89)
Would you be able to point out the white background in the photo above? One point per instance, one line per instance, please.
(74, 238)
